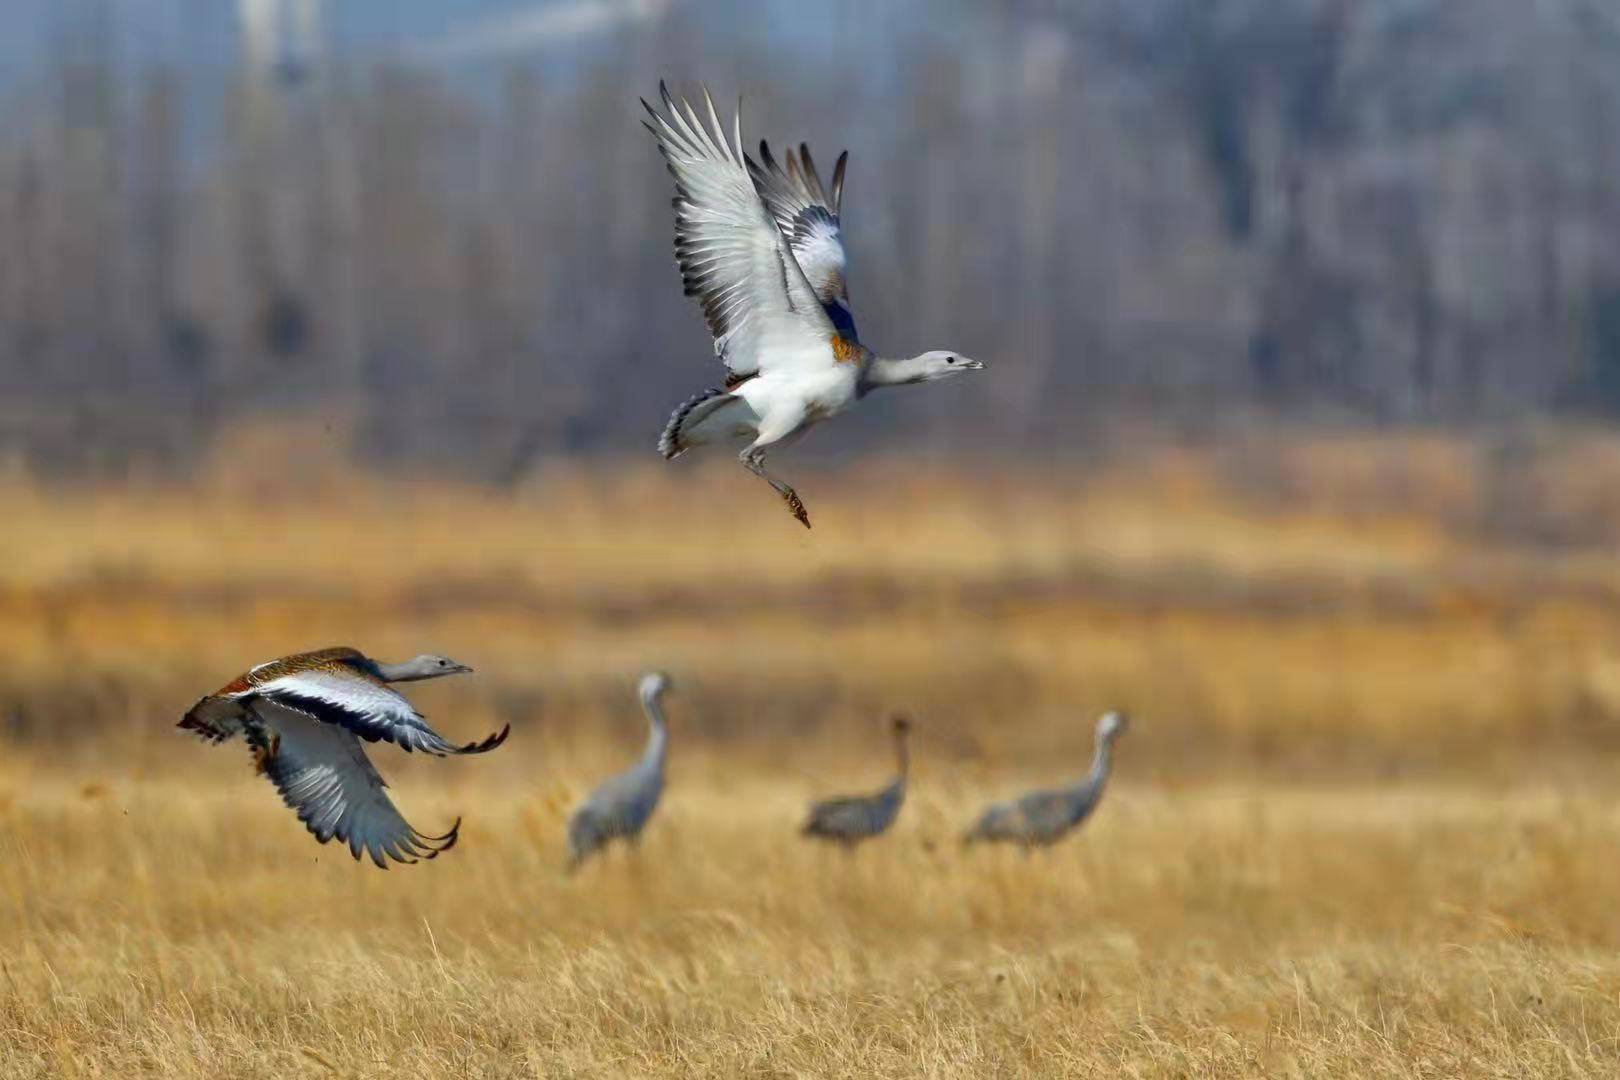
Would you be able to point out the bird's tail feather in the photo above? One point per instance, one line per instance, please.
(702, 418)
(213, 719)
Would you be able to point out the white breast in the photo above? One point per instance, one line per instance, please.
(819, 392)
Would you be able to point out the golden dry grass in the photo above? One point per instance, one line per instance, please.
(190, 929)
(1365, 822)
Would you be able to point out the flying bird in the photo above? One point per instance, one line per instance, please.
(761, 248)
(850, 819)
(1045, 817)
(621, 805)
(304, 717)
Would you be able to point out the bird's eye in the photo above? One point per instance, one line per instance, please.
(950, 359)
(444, 663)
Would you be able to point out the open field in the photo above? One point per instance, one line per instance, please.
(159, 927)
(1365, 821)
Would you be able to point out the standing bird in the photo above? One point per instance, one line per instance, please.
(304, 716)
(761, 249)
(621, 805)
(1045, 817)
(850, 819)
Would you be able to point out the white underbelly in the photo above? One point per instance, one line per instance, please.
(815, 395)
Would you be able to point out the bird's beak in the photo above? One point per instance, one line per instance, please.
(973, 365)
(462, 669)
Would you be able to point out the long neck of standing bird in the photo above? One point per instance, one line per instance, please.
(1102, 758)
(657, 733)
(902, 757)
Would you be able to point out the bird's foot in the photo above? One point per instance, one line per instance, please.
(796, 506)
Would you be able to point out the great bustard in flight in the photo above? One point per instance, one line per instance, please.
(621, 805)
(761, 249)
(850, 819)
(304, 716)
(1045, 817)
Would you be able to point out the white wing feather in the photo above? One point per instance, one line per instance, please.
(760, 309)
(370, 710)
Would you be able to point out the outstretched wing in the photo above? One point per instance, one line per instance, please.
(323, 774)
(371, 709)
(760, 309)
(808, 216)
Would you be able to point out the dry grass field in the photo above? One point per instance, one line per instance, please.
(1366, 822)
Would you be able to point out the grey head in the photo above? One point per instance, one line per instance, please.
(942, 364)
(426, 666)
(653, 685)
(1112, 725)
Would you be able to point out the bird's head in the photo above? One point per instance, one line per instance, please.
(1112, 725)
(653, 684)
(900, 724)
(942, 364)
(426, 666)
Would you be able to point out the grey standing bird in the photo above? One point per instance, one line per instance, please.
(850, 819)
(621, 805)
(1045, 817)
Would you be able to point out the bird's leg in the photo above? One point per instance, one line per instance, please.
(636, 865)
(753, 459)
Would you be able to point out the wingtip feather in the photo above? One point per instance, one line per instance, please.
(437, 845)
(488, 744)
(714, 120)
(811, 177)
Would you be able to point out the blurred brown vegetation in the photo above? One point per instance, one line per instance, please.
(1347, 604)
(1380, 210)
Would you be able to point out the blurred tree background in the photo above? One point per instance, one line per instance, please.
(442, 228)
